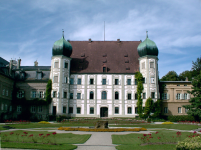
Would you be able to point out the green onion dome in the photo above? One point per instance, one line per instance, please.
(147, 47)
(62, 47)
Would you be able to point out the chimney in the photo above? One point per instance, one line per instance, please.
(186, 79)
(10, 67)
(35, 63)
(90, 40)
(18, 63)
(118, 40)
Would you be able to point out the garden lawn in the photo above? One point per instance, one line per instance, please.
(62, 140)
(167, 126)
(131, 141)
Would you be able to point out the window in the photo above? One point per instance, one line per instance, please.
(116, 95)
(66, 65)
(178, 85)
(55, 79)
(41, 95)
(165, 110)
(2, 106)
(116, 81)
(179, 109)
(128, 81)
(164, 96)
(33, 109)
(65, 79)
(19, 108)
(71, 95)
(136, 110)
(185, 95)
(103, 81)
(6, 92)
(33, 94)
(91, 81)
(65, 94)
(78, 110)
(178, 96)
(71, 81)
(10, 109)
(129, 110)
(64, 109)
(104, 95)
(91, 95)
(40, 108)
(116, 110)
(6, 106)
(20, 94)
(39, 75)
(91, 110)
(79, 81)
(152, 80)
(78, 95)
(104, 69)
(54, 94)
(3, 93)
(70, 110)
(144, 95)
(135, 81)
(186, 110)
(143, 65)
(185, 85)
(136, 96)
(151, 64)
(152, 94)
(56, 65)
(129, 96)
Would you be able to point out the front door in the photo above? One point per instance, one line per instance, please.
(54, 110)
(103, 112)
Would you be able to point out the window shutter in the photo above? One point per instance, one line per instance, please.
(176, 96)
(37, 94)
(51, 94)
(31, 94)
(43, 94)
(64, 79)
(113, 81)
(142, 95)
(58, 94)
(155, 95)
(83, 96)
(188, 96)
(145, 80)
(168, 96)
(108, 81)
(119, 82)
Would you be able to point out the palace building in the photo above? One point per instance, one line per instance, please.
(92, 79)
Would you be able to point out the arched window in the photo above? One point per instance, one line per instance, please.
(116, 95)
(104, 95)
(91, 95)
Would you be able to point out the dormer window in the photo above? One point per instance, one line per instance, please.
(104, 69)
(39, 75)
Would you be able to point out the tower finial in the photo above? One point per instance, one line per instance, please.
(146, 34)
(63, 33)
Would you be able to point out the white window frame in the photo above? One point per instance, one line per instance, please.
(19, 108)
(178, 96)
(33, 94)
(179, 110)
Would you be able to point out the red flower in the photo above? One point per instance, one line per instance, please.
(11, 133)
(149, 134)
(159, 137)
(25, 132)
(30, 135)
(138, 137)
(156, 132)
(54, 133)
(178, 133)
(40, 134)
(194, 132)
(48, 134)
(144, 135)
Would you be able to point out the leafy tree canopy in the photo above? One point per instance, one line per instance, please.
(184, 75)
(194, 109)
(170, 76)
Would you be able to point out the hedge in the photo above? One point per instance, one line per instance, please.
(181, 118)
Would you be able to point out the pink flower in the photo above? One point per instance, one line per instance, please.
(156, 132)
(54, 133)
(194, 132)
(144, 135)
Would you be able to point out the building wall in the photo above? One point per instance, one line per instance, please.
(172, 102)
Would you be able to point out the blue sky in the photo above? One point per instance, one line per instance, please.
(28, 29)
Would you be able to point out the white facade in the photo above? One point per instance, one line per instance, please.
(80, 103)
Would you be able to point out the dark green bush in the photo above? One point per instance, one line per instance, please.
(181, 118)
(149, 120)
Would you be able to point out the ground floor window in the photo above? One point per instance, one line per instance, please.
(152, 94)
(91, 110)
(19, 108)
(165, 110)
(179, 109)
(129, 110)
(70, 110)
(40, 108)
(136, 110)
(33, 109)
(64, 109)
(116, 110)
(78, 110)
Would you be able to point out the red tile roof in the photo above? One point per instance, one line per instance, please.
(91, 57)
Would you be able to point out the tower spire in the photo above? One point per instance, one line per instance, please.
(146, 34)
(63, 33)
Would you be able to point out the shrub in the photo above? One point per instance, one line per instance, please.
(167, 123)
(102, 130)
(44, 122)
(190, 143)
(181, 118)
(149, 120)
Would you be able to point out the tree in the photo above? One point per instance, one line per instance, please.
(194, 109)
(148, 107)
(196, 67)
(48, 92)
(170, 76)
(185, 74)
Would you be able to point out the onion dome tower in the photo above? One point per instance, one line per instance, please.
(148, 61)
(60, 75)
(62, 47)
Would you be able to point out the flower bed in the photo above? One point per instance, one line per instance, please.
(189, 122)
(17, 122)
(44, 122)
(167, 123)
(102, 130)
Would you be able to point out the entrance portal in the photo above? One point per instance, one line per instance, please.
(103, 112)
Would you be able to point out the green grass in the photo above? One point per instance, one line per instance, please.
(63, 140)
(167, 126)
(131, 141)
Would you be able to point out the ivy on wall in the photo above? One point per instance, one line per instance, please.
(48, 92)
